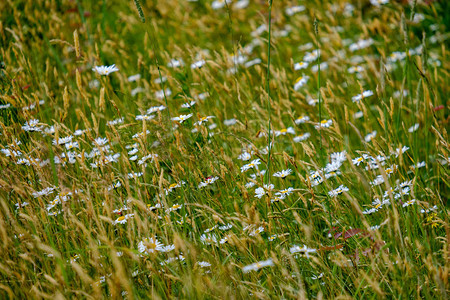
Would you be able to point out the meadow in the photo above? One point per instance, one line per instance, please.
(224, 149)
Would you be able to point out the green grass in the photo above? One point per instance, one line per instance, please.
(78, 248)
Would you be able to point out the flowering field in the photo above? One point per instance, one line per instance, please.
(224, 149)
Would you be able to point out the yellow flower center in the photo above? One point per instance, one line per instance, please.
(151, 246)
(283, 130)
(121, 218)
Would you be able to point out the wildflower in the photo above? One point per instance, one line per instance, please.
(140, 134)
(198, 64)
(208, 239)
(257, 174)
(147, 157)
(283, 174)
(338, 191)
(324, 123)
(284, 131)
(253, 164)
(163, 93)
(122, 219)
(203, 119)
(303, 250)
(155, 109)
(375, 227)
(357, 161)
(273, 237)
(357, 69)
(290, 11)
(188, 104)
(175, 207)
(21, 205)
(229, 122)
(175, 63)
(44, 192)
(244, 156)
(120, 210)
(315, 178)
(410, 202)
(226, 227)
(362, 96)
(426, 211)
(203, 264)
(302, 137)
(419, 165)
(150, 245)
(219, 3)
(399, 151)
(72, 145)
(300, 65)
(210, 229)
(377, 181)
(378, 2)
(173, 186)
(209, 180)
(32, 125)
(249, 184)
(323, 66)
(79, 132)
(361, 44)
(135, 175)
(302, 120)
(301, 81)
(370, 136)
(182, 118)
(258, 265)
(62, 140)
(105, 70)
(358, 115)
(172, 259)
(133, 78)
(252, 62)
(144, 117)
(311, 56)
(261, 191)
(414, 127)
(256, 231)
(285, 192)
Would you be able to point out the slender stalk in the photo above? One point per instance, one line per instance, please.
(155, 48)
(269, 144)
(316, 32)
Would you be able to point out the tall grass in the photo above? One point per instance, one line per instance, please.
(154, 181)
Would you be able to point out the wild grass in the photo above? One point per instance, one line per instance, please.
(118, 186)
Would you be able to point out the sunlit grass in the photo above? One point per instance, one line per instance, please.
(137, 160)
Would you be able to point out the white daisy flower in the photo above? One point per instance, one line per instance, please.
(105, 70)
(182, 118)
(302, 137)
(150, 245)
(253, 164)
(362, 96)
(301, 65)
(301, 81)
(283, 173)
(258, 265)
